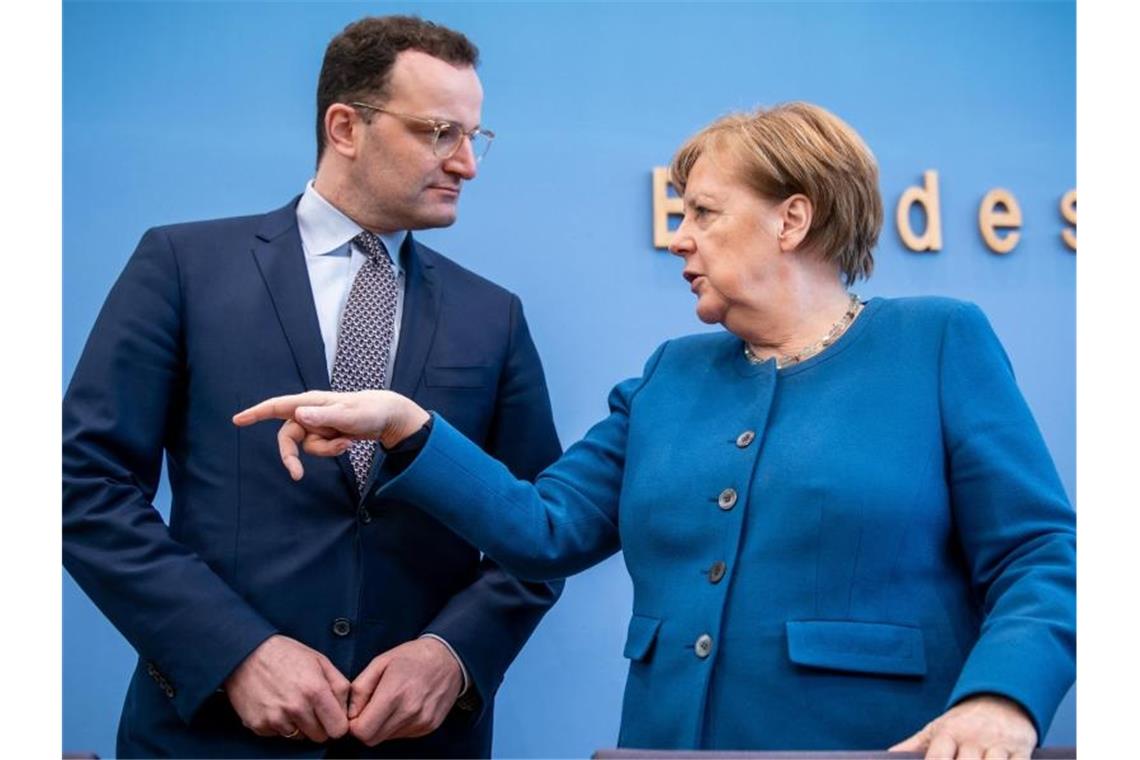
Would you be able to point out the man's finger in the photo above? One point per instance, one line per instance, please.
(360, 692)
(369, 723)
(996, 753)
(403, 726)
(416, 727)
(280, 407)
(340, 685)
(330, 713)
(395, 715)
(303, 719)
(288, 437)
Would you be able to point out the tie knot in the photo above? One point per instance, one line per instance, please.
(372, 247)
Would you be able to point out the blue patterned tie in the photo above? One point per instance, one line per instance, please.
(365, 336)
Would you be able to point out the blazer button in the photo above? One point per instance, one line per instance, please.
(342, 626)
(169, 690)
(745, 438)
(727, 499)
(364, 515)
(716, 572)
(703, 646)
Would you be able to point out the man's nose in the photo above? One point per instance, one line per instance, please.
(462, 161)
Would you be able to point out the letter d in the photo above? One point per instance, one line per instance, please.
(927, 197)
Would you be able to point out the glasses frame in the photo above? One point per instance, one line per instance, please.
(437, 127)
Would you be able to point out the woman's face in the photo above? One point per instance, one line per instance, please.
(729, 240)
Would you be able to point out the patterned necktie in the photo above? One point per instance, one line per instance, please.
(365, 337)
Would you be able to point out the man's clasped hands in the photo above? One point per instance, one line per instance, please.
(284, 688)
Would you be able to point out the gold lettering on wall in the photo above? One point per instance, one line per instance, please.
(999, 210)
(1069, 213)
(999, 215)
(664, 206)
(927, 197)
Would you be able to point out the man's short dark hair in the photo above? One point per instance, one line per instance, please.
(358, 61)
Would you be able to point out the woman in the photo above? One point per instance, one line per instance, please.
(842, 524)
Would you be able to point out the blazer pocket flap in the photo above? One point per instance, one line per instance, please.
(881, 648)
(642, 634)
(456, 377)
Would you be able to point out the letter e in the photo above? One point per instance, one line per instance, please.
(991, 218)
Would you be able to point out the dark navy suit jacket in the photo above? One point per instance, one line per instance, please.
(206, 319)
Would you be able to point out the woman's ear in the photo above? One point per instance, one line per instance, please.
(795, 221)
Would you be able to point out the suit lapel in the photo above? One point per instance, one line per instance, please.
(281, 261)
(418, 323)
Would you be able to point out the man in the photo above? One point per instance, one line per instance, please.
(275, 618)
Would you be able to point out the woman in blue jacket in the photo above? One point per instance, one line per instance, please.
(841, 521)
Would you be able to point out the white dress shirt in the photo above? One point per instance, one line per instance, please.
(333, 261)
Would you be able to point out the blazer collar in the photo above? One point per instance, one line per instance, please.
(281, 261)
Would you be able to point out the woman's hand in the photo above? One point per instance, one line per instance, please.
(986, 726)
(326, 423)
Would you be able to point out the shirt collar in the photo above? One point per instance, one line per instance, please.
(325, 229)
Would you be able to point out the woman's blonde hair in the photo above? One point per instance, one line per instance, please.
(801, 148)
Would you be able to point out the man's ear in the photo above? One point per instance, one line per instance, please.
(343, 125)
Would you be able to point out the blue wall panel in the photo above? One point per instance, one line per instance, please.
(175, 112)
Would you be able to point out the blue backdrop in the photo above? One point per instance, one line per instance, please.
(175, 112)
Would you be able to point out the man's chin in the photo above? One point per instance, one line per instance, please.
(436, 218)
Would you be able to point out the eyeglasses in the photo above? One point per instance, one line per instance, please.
(446, 137)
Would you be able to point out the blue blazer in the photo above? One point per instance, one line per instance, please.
(206, 319)
(823, 557)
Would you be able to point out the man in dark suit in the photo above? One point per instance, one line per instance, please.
(275, 618)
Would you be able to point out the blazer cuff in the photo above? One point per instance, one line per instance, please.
(459, 660)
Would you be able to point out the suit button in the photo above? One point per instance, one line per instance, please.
(169, 692)
(716, 572)
(727, 499)
(342, 626)
(703, 646)
(745, 438)
(364, 515)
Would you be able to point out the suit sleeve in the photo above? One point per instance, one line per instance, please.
(1016, 526)
(488, 622)
(125, 393)
(563, 523)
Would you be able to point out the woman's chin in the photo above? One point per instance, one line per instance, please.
(709, 314)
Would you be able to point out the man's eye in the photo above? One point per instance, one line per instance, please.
(449, 134)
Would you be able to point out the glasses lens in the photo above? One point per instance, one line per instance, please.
(447, 141)
(480, 144)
